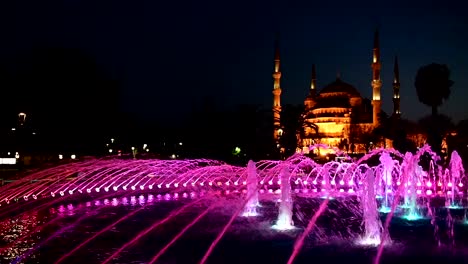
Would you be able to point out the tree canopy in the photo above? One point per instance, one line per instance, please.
(433, 85)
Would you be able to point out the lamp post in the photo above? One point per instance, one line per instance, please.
(134, 152)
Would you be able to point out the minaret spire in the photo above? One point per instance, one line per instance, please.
(313, 83)
(309, 102)
(277, 131)
(396, 89)
(376, 46)
(376, 82)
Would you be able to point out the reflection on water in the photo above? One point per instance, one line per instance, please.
(26, 231)
(13, 229)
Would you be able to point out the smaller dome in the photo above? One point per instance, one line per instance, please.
(339, 86)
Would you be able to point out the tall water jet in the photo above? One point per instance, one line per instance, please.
(411, 169)
(371, 220)
(285, 209)
(387, 163)
(455, 171)
(250, 208)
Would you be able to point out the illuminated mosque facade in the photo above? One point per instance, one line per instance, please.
(337, 115)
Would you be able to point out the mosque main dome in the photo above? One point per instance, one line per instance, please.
(338, 87)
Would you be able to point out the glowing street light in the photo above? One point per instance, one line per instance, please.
(22, 115)
(73, 156)
(236, 151)
(280, 132)
(60, 156)
(110, 150)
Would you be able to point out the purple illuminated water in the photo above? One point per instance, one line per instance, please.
(297, 203)
(252, 190)
(387, 180)
(455, 177)
(285, 213)
(371, 220)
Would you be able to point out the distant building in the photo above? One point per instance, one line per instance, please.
(338, 115)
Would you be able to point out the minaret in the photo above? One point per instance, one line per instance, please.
(277, 132)
(376, 82)
(396, 90)
(313, 83)
(309, 102)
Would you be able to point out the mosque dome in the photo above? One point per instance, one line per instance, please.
(339, 87)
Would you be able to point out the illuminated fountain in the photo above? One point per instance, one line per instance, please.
(209, 196)
(371, 221)
(285, 213)
(454, 175)
(252, 190)
(410, 183)
(387, 181)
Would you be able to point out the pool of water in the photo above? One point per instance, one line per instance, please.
(43, 231)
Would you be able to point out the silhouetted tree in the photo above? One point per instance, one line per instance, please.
(436, 127)
(384, 130)
(292, 123)
(433, 85)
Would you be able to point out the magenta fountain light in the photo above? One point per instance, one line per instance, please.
(285, 214)
(371, 221)
(252, 190)
(387, 180)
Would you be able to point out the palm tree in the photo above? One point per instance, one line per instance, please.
(433, 85)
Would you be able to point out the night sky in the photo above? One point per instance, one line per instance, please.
(166, 56)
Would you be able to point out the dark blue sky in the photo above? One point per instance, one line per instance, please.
(168, 55)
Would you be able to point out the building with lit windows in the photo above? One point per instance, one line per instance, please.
(337, 115)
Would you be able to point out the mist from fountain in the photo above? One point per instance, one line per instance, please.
(252, 190)
(456, 174)
(371, 221)
(285, 214)
(410, 184)
(387, 181)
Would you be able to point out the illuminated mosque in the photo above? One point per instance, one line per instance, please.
(337, 115)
